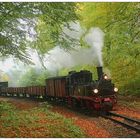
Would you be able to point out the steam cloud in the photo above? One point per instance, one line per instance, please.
(95, 39)
(59, 58)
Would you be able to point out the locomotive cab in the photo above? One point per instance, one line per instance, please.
(77, 82)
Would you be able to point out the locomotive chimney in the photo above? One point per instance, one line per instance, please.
(99, 72)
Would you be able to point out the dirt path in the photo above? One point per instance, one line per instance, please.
(96, 127)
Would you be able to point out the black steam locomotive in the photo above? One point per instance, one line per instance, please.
(92, 94)
(77, 89)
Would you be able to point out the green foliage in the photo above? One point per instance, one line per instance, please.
(18, 19)
(49, 28)
(33, 77)
(63, 131)
(121, 54)
(12, 35)
(5, 107)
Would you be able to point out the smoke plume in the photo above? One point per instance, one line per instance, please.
(59, 58)
(95, 39)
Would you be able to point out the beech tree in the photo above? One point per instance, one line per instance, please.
(18, 21)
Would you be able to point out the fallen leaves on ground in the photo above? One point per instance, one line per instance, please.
(96, 128)
(89, 126)
(120, 109)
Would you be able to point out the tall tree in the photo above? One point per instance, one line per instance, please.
(18, 22)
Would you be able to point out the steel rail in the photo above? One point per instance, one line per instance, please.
(125, 117)
(135, 128)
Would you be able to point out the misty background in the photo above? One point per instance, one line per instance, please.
(58, 58)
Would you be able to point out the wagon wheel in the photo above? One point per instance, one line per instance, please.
(69, 102)
(78, 103)
(75, 103)
(83, 104)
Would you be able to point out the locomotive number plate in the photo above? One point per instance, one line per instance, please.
(106, 99)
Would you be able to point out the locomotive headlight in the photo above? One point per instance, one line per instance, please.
(105, 77)
(95, 90)
(116, 89)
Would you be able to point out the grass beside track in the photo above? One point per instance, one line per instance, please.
(129, 101)
(36, 122)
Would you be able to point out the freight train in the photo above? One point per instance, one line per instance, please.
(77, 89)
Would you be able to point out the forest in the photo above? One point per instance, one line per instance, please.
(39, 27)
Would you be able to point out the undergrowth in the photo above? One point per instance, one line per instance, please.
(36, 122)
(134, 104)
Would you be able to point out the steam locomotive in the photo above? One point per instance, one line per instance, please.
(77, 89)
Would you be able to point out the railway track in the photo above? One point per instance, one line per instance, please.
(133, 124)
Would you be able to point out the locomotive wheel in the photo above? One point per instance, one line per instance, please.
(78, 103)
(83, 104)
(88, 104)
(75, 103)
(68, 102)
